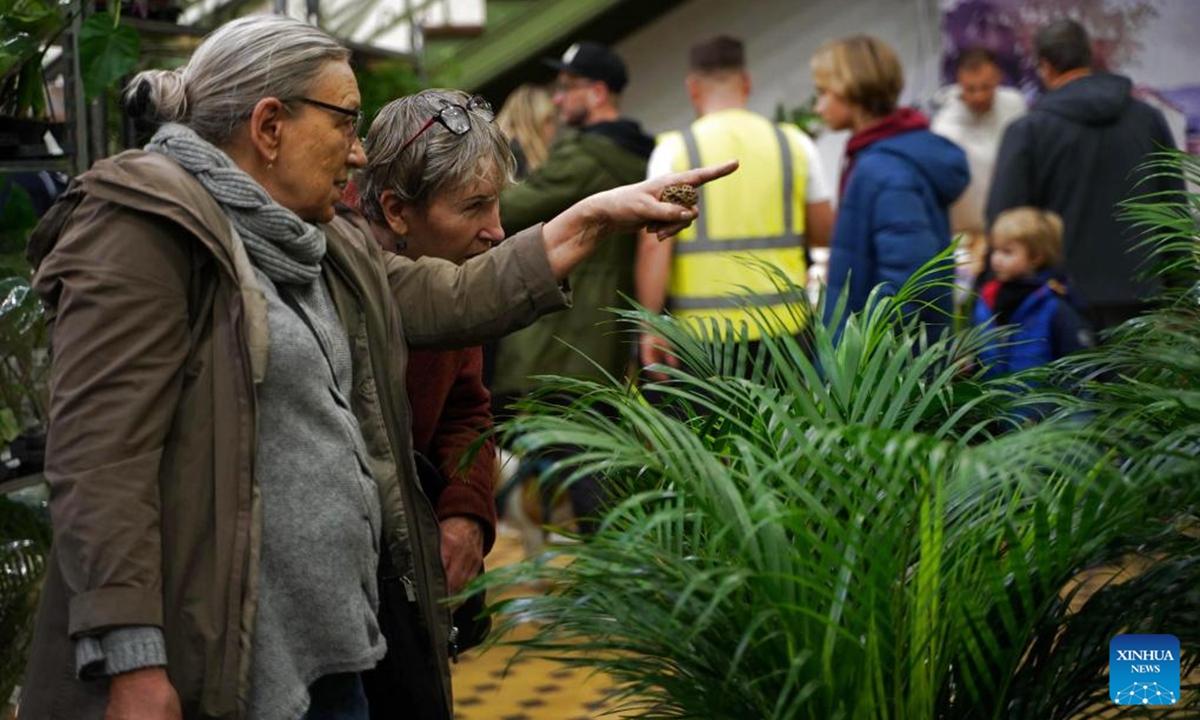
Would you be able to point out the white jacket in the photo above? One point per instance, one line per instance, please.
(979, 136)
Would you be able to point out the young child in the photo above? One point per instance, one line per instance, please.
(1028, 291)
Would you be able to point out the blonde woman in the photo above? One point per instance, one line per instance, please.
(528, 119)
(897, 182)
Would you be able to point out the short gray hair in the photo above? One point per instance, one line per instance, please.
(436, 160)
(237, 65)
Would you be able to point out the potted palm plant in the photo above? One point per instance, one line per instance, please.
(869, 529)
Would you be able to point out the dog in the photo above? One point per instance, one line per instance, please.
(523, 502)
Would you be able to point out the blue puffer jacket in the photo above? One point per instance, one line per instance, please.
(893, 219)
(1047, 326)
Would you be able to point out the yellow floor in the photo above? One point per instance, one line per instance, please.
(487, 687)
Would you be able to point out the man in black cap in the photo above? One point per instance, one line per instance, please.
(597, 150)
(590, 80)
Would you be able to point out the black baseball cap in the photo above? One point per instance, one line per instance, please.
(593, 61)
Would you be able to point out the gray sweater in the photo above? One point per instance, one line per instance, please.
(320, 512)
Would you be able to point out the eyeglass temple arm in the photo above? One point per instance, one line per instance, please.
(417, 134)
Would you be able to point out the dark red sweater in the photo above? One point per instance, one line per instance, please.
(450, 409)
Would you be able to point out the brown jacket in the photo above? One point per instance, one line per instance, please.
(160, 338)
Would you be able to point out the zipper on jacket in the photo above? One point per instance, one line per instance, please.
(454, 644)
(410, 588)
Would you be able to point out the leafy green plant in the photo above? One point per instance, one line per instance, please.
(804, 116)
(26, 26)
(868, 529)
(107, 51)
(383, 81)
(24, 542)
(23, 366)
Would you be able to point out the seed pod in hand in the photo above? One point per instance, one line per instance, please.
(680, 194)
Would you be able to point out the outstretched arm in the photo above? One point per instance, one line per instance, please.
(572, 236)
(447, 305)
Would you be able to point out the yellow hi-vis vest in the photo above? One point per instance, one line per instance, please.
(755, 215)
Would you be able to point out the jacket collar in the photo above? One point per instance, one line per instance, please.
(153, 183)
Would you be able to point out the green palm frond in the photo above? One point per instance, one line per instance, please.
(861, 526)
(1167, 219)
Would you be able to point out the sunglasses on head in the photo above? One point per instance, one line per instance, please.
(455, 118)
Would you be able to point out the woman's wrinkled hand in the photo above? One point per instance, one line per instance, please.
(462, 551)
(144, 694)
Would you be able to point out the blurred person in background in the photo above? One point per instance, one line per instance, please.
(773, 211)
(974, 114)
(897, 182)
(528, 117)
(1080, 152)
(597, 148)
(1029, 292)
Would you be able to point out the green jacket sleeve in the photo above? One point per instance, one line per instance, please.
(564, 179)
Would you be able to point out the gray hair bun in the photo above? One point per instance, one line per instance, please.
(158, 95)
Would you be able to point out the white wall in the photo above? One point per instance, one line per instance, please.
(780, 37)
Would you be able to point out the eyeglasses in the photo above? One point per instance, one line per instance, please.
(455, 118)
(352, 130)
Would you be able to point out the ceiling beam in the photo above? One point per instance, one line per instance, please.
(521, 36)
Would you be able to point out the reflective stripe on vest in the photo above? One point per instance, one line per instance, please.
(702, 263)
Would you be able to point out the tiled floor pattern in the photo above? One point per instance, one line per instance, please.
(488, 687)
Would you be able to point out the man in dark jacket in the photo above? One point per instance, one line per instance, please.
(1079, 152)
(597, 150)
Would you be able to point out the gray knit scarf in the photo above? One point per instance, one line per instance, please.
(283, 246)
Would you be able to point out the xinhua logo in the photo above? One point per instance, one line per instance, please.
(1143, 669)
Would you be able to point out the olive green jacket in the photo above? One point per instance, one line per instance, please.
(160, 340)
(580, 164)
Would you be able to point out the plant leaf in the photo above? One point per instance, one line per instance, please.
(17, 217)
(107, 53)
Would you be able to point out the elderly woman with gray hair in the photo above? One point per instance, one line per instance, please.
(229, 446)
(432, 190)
